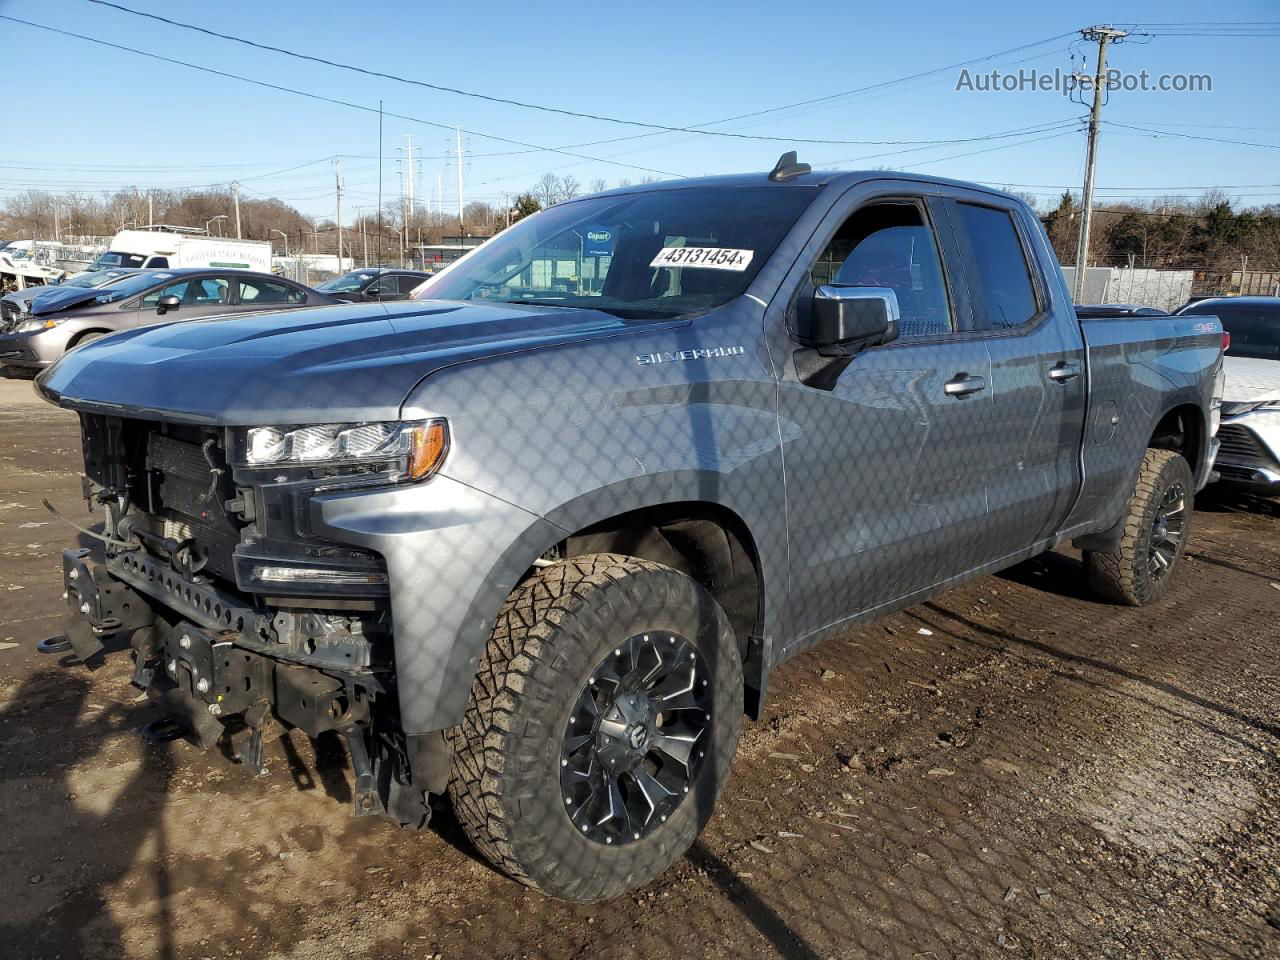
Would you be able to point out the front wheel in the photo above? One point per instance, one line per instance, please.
(1157, 524)
(600, 727)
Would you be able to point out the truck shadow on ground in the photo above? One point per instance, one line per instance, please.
(69, 905)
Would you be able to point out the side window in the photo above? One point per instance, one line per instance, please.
(889, 245)
(266, 293)
(384, 287)
(409, 284)
(178, 290)
(160, 262)
(1001, 264)
(208, 290)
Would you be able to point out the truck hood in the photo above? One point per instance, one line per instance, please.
(345, 363)
(1251, 380)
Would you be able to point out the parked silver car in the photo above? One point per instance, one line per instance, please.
(1250, 432)
(46, 327)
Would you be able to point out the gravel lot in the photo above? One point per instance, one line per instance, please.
(1012, 770)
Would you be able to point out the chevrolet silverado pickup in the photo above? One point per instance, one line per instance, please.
(537, 538)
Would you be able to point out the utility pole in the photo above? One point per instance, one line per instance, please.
(379, 184)
(337, 178)
(151, 210)
(462, 227)
(235, 193)
(1102, 36)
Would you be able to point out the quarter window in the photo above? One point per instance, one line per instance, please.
(1001, 265)
(889, 245)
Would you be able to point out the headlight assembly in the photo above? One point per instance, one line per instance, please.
(33, 325)
(417, 448)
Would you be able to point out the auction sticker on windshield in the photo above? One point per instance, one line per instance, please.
(706, 258)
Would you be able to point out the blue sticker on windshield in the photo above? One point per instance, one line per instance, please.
(597, 242)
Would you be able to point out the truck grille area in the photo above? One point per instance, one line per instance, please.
(171, 487)
(190, 491)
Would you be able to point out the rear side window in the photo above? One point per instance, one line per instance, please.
(1002, 265)
(267, 293)
(408, 284)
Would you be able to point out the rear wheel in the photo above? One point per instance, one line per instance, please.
(1157, 524)
(600, 727)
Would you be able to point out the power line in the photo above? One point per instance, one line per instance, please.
(1191, 136)
(660, 127)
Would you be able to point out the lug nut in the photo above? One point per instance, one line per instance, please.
(215, 709)
(185, 642)
(84, 607)
(74, 574)
(64, 596)
(203, 685)
(173, 666)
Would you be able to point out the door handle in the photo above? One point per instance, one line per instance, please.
(1064, 370)
(961, 385)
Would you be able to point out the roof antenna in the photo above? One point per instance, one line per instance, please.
(788, 167)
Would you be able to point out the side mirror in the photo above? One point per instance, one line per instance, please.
(850, 317)
(165, 304)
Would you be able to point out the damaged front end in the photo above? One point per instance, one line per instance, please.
(240, 615)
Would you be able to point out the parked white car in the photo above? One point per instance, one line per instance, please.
(1250, 433)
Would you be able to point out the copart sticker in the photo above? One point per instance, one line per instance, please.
(705, 258)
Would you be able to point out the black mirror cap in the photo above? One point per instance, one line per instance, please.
(170, 302)
(850, 316)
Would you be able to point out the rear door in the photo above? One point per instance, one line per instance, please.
(1038, 381)
(259, 293)
(885, 480)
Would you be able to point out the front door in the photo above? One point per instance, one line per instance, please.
(885, 478)
(200, 296)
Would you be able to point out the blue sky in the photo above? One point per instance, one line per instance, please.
(122, 119)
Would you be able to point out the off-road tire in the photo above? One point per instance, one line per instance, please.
(1125, 576)
(552, 632)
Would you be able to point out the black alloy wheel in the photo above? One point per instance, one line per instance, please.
(636, 738)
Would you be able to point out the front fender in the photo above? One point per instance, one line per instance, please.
(453, 554)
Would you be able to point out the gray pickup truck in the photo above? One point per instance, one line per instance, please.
(537, 538)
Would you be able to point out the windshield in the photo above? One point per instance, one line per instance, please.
(1254, 327)
(664, 253)
(94, 278)
(133, 283)
(348, 282)
(113, 258)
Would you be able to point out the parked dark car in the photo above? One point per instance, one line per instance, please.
(360, 286)
(63, 318)
(1250, 433)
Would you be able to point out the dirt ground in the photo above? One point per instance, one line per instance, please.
(1013, 770)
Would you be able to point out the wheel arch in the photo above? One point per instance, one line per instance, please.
(80, 335)
(1183, 428)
